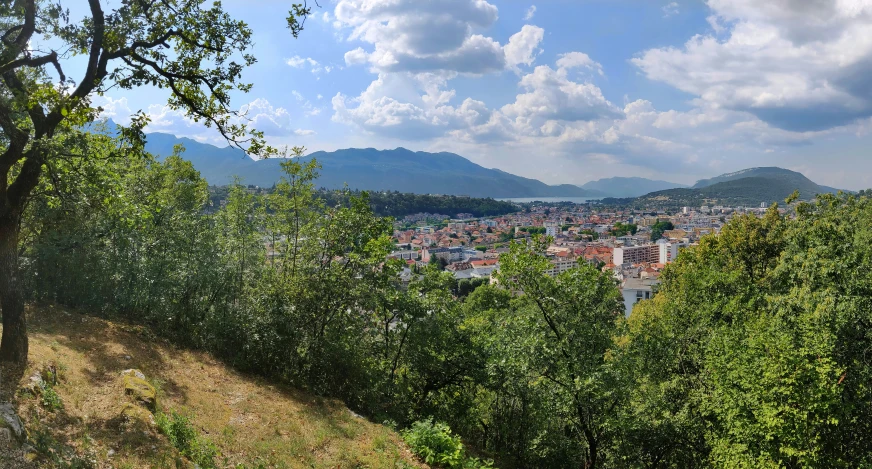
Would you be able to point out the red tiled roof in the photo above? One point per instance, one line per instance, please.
(483, 263)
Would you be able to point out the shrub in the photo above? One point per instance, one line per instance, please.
(435, 444)
(184, 438)
(50, 399)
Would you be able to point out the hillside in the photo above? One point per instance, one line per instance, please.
(368, 169)
(750, 191)
(629, 186)
(793, 178)
(749, 188)
(250, 421)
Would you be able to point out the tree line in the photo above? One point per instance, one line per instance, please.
(399, 204)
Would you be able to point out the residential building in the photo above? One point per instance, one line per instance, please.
(635, 290)
(649, 253)
(405, 255)
(552, 229)
(560, 264)
(452, 254)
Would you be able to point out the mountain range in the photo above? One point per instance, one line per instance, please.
(404, 170)
(367, 168)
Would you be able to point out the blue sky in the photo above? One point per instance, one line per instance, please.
(566, 91)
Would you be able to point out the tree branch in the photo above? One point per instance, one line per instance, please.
(29, 26)
(51, 58)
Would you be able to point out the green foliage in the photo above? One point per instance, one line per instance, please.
(657, 229)
(549, 362)
(751, 348)
(468, 285)
(533, 230)
(435, 444)
(49, 398)
(438, 262)
(751, 354)
(184, 437)
(397, 205)
(621, 229)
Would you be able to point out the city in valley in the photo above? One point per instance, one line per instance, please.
(634, 246)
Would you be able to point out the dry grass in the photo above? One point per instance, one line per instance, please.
(251, 421)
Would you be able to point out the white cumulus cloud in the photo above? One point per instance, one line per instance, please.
(523, 46)
(797, 65)
(415, 36)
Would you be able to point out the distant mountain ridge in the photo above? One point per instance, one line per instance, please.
(445, 173)
(748, 187)
(629, 186)
(368, 169)
(767, 172)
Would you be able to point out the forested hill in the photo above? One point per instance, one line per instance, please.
(367, 169)
(749, 187)
(772, 173)
(398, 204)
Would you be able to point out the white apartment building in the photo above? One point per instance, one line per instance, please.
(561, 264)
(405, 255)
(663, 252)
(669, 250)
(551, 229)
(635, 290)
(649, 253)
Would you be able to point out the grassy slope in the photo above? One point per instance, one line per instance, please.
(251, 421)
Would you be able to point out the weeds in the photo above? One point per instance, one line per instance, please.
(185, 439)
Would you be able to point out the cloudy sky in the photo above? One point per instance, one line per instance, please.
(567, 91)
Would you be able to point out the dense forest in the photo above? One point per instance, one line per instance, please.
(751, 354)
(398, 204)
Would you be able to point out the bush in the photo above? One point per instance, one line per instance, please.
(184, 438)
(50, 399)
(435, 444)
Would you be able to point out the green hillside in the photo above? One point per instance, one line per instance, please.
(744, 188)
(798, 180)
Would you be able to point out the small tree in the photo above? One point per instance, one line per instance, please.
(558, 335)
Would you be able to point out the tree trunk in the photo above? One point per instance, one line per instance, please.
(13, 346)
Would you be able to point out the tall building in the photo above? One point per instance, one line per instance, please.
(649, 253)
(561, 264)
(551, 228)
(668, 250)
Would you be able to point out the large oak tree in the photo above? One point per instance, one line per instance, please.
(196, 51)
